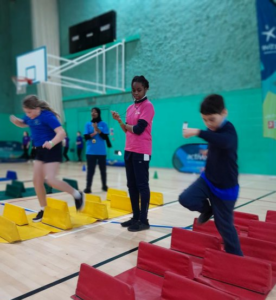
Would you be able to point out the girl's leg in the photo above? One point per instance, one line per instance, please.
(141, 169)
(102, 167)
(65, 151)
(133, 192)
(38, 180)
(26, 155)
(33, 153)
(27, 152)
(132, 189)
(91, 165)
(79, 154)
(51, 170)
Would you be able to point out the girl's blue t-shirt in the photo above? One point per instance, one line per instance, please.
(97, 145)
(79, 139)
(26, 140)
(42, 127)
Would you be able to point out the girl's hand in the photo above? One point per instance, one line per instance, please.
(115, 115)
(189, 132)
(17, 122)
(47, 145)
(95, 125)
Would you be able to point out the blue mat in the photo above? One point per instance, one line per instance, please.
(11, 175)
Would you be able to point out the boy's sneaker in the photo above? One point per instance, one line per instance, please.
(204, 217)
(138, 226)
(87, 191)
(38, 217)
(79, 202)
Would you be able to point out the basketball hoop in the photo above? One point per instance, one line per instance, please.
(21, 84)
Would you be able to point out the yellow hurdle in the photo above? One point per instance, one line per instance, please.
(95, 210)
(57, 214)
(110, 192)
(93, 198)
(156, 198)
(121, 202)
(16, 214)
(57, 204)
(8, 230)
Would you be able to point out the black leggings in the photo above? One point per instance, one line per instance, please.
(91, 165)
(25, 152)
(137, 172)
(65, 151)
(79, 151)
(33, 153)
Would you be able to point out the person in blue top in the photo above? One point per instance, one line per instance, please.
(25, 145)
(66, 147)
(47, 134)
(215, 192)
(79, 143)
(96, 136)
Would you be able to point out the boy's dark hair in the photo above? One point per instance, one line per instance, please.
(212, 104)
(141, 79)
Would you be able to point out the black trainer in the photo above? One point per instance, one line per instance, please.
(87, 191)
(105, 188)
(138, 226)
(38, 217)
(79, 202)
(204, 217)
(127, 223)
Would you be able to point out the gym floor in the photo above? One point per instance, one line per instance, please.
(47, 267)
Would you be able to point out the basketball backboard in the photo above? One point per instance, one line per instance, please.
(33, 65)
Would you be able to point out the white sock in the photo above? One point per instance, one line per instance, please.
(42, 208)
(76, 194)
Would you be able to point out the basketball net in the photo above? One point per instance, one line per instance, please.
(21, 84)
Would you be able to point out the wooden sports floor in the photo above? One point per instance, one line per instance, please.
(46, 268)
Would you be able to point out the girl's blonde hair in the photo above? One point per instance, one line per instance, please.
(32, 102)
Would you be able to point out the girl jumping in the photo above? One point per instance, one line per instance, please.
(47, 134)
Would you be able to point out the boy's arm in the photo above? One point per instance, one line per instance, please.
(222, 140)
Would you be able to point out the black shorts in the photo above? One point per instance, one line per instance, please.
(49, 155)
